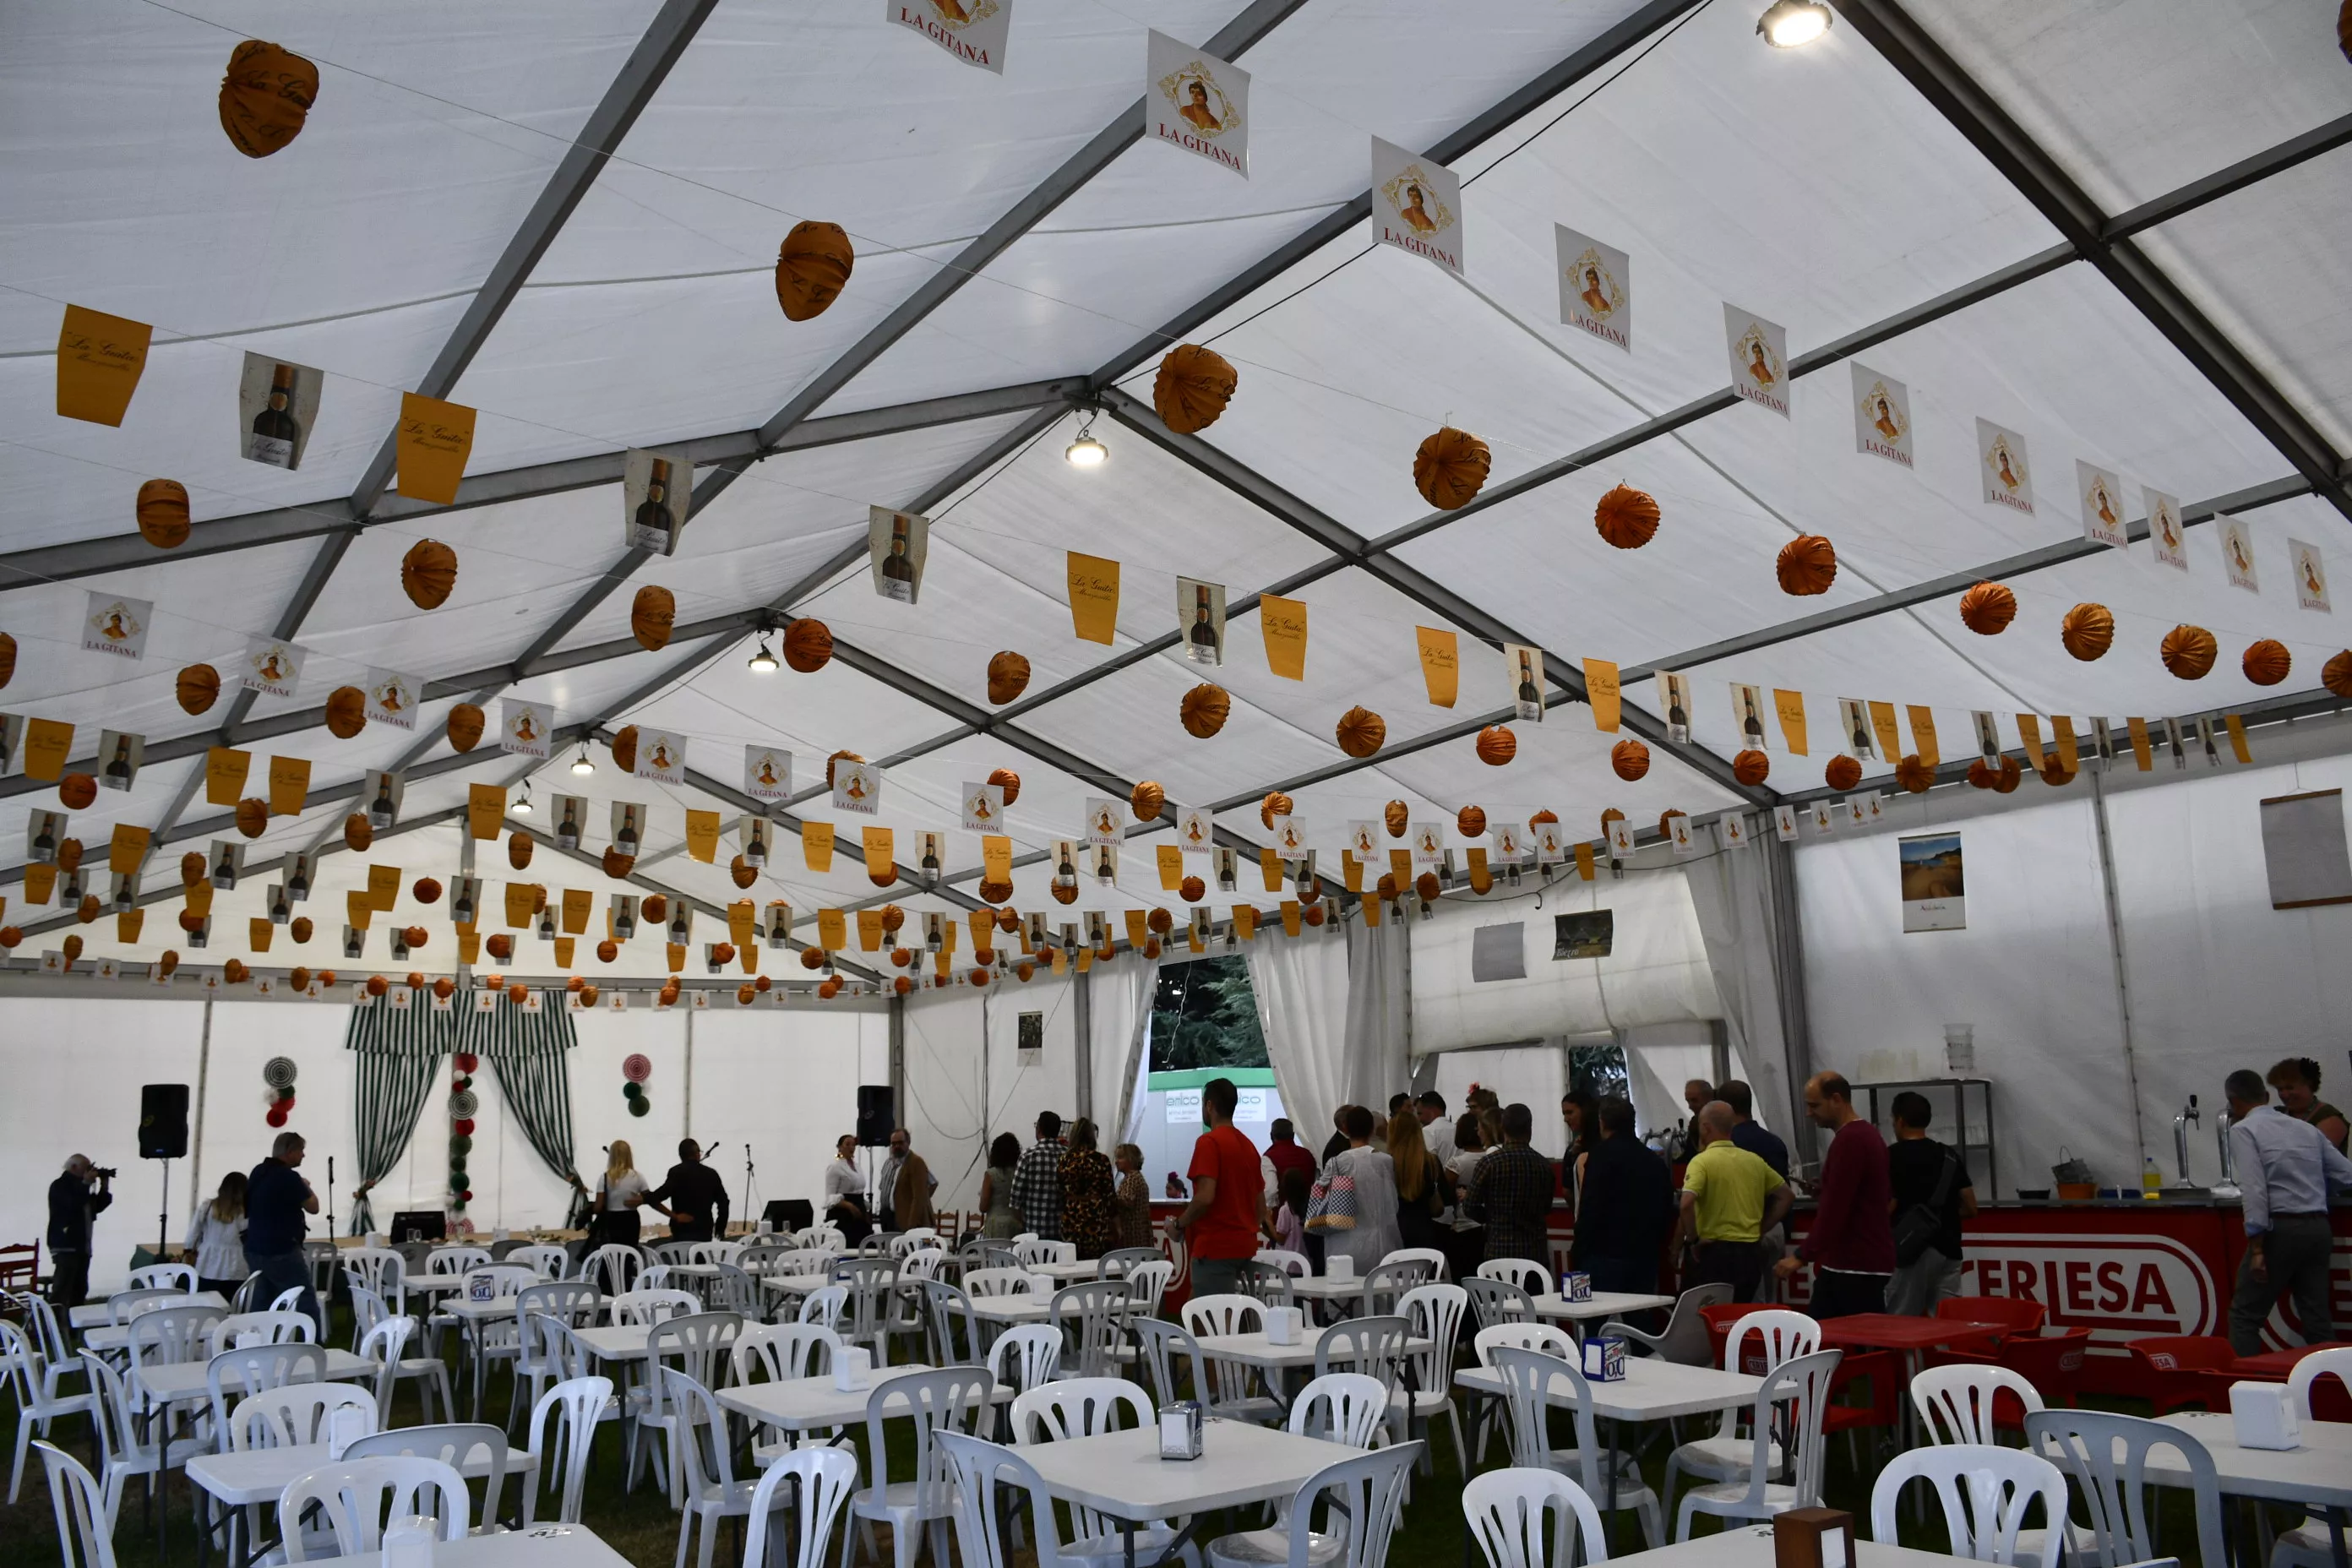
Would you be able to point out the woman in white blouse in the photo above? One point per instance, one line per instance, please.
(845, 1193)
(619, 1196)
(215, 1242)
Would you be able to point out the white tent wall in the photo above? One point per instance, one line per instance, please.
(965, 1082)
(1534, 1076)
(783, 1083)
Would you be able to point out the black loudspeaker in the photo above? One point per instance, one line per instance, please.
(789, 1214)
(873, 1118)
(164, 1122)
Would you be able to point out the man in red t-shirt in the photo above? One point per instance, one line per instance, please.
(1220, 1227)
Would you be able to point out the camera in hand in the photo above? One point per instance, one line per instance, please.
(105, 1172)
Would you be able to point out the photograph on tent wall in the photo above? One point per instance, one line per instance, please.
(1933, 891)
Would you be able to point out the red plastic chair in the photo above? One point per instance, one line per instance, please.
(1882, 1371)
(2052, 1361)
(2185, 1370)
(1720, 1319)
(2014, 1316)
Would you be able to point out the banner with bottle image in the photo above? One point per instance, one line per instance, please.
(1525, 666)
(1200, 611)
(656, 486)
(1933, 888)
(276, 406)
(897, 544)
(124, 753)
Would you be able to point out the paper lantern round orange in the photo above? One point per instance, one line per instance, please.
(624, 747)
(192, 869)
(1192, 388)
(1627, 518)
(199, 687)
(607, 950)
(1449, 468)
(252, 817)
(377, 985)
(652, 616)
(588, 994)
(762, 983)
(266, 97)
(1008, 920)
(893, 917)
(744, 993)
(813, 266)
(2189, 651)
(518, 993)
(1193, 889)
(1008, 676)
(1274, 805)
(901, 986)
(1915, 775)
(298, 977)
(667, 996)
(1842, 773)
(7, 658)
(415, 936)
(2337, 673)
(1008, 780)
(162, 513)
(654, 908)
(1361, 732)
(428, 574)
(192, 921)
(1064, 893)
(813, 957)
(2266, 662)
(236, 972)
(743, 872)
(833, 765)
(1386, 888)
(87, 910)
(1630, 759)
(885, 878)
(808, 644)
(346, 712)
(68, 854)
(1394, 817)
(1026, 971)
(1547, 815)
(518, 846)
(994, 892)
(1808, 565)
(1146, 800)
(1751, 767)
(10, 936)
(425, 891)
(722, 952)
(326, 977)
(465, 727)
(1204, 709)
(76, 791)
(1425, 885)
(1497, 745)
(1313, 915)
(1987, 608)
(1161, 921)
(500, 944)
(1666, 821)
(300, 929)
(618, 866)
(2087, 631)
(1471, 821)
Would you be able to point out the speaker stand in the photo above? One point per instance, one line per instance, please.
(163, 1214)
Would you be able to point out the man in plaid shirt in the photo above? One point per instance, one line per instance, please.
(1037, 1181)
(1510, 1192)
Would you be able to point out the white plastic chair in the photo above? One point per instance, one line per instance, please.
(1684, 1339)
(785, 1352)
(576, 1406)
(545, 1259)
(249, 1369)
(2310, 1369)
(825, 1305)
(1234, 1391)
(37, 1401)
(356, 1498)
(952, 1400)
(1507, 1511)
(1532, 1384)
(537, 1363)
(2311, 1543)
(456, 1444)
(445, 1261)
(1033, 1252)
(179, 1276)
(382, 1344)
(128, 1447)
(85, 1529)
(1370, 1497)
(1805, 1383)
(612, 1269)
(1780, 1336)
(273, 1327)
(288, 1300)
(646, 1308)
(822, 1478)
(979, 1282)
(1428, 1255)
(58, 1359)
(1955, 1403)
(1026, 1356)
(2000, 1485)
(1294, 1264)
(1546, 1339)
(296, 1414)
(1433, 1312)
(382, 1270)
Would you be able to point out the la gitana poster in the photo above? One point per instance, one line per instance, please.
(1933, 891)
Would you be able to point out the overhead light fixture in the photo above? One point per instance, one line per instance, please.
(1085, 452)
(580, 764)
(764, 661)
(1793, 24)
(523, 807)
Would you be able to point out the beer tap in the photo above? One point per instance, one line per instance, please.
(2180, 1125)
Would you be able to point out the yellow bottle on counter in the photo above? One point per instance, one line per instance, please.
(2151, 1181)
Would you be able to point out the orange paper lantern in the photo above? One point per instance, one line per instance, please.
(1842, 773)
(2087, 631)
(1471, 821)
(1393, 817)
(808, 644)
(346, 712)
(427, 891)
(1449, 468)
(1147, 800)
(76, 791)
(1497, 745)
(2266, 662)
(813, 266)
(1274, 805)
(1808, 565)
(2189, 651)
(428, 574)
(1008, 780)
(252, 817)
(1192, 388)
(2337, 673)
(1987, 608)
(162, 512)
(465, 727)
(1204, 709)
(1915, 775)
(266, 97)
(1630, 759)
(1626, 517)
(199, 689)
(1008, 676)
(1751, 767)
(1361, 732)
(652, 614)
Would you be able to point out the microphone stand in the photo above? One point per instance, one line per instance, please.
(751, 1204)
(330, 1199)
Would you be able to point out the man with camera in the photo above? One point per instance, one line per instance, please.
(73, 1206)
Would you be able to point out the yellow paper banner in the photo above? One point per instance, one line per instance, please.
(1171, 867)
(996, 857)
(128, 849)
(1401, 867)
(225, 773)
(2068, 758)
(816, 845)
(100, 358)
(486, 810)
(127, 924)
(702, 836)
(199, 895)
(1284, 623)
(358, 913)
(1923, 734)
(47, 743)
(1790, 706)
(2029, 730)
(947, 930)
(1290, 916)
(470, 945)
(563, 952)
(1245, 921)
(578, 903)
(289, 785)
(520, 898)
(2238, 737)
(1270, 862)
(435, 439)
(1351, 871)
(674, 956)
(259, 931)
(1602, 691)
(869, 930)
(1094, 597)
(1372, 908)
(1441, 664)
(382, 886)
(832, 930)
(1481, 879)
(984, 928)
(881, 860)
(2142, 752)
(744, 924)
(1086, 959)
(1137, 932)
(1882, 725)
(1585, 859)
(41, 881)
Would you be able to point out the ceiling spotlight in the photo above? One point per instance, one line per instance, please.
(764, 661)
(523, 807)
(1085, 452)
(580, 764)
(1793, 24)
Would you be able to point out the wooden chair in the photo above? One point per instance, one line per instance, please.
(20, 1266)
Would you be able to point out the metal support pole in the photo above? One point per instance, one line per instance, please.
(686, 1129)
(204, 1075)
(2116, 951)
(897, 1064)
(1082, 1022)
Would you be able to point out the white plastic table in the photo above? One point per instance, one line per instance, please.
(178, 1382)
(1255, 1350)
(1067, 1273)
(1019, 1307)
(98, 1315)
(1750, 1546)
(1602, 1304)
(1121, 1474)
(2317, 1474)
(616, 1341)
(540, 1546)
(1651, 1390)
(803, 1403)
(255, 1478)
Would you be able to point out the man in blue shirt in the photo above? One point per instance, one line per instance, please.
(2287, 1169)
(276, 1199)
(1748, 1133)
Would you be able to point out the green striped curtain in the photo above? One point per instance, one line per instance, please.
(531, 1054)
(396, 1057)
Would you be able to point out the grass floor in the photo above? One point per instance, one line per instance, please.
(641, 1527)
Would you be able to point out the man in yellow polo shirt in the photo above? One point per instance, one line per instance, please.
(1731, 1198)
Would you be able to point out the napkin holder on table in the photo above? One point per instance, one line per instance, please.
(1576, 1286)
(408, 1542)
(1282, 1325)
(2262, 1416)
(1604, 1359)
(1339, 1267)
(853, 1368)
(1179, 1430)
(1813, 1538)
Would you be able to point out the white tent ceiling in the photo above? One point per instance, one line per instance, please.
(566, 217)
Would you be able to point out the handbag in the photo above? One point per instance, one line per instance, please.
(1915, 1227)
(1331, 1206)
